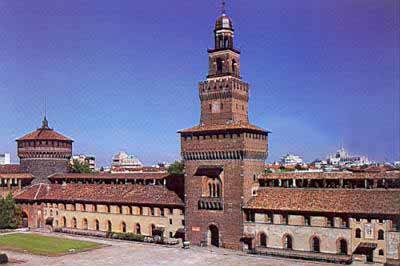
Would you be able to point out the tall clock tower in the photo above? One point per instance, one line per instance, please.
(224, 154)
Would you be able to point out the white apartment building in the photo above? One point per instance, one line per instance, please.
(5, 158)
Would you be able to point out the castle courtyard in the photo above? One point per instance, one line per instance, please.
(133, 253)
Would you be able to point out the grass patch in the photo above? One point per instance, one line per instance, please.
(44, 245)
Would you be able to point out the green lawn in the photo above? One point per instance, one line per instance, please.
(44, 245)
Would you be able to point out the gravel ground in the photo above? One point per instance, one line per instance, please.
(120, 253)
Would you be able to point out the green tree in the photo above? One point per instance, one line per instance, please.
(177, 168)
(78, 167)
(10, 213)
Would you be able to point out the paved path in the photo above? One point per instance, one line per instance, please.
(120, 253)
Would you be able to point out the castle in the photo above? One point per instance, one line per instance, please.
(225, 199)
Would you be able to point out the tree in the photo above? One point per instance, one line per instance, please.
(10, 213)
(78, 167)
(176, 168)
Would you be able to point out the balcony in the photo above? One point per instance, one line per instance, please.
(208, 203)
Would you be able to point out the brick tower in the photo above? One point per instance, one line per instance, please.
(44, 152)
(225, 153)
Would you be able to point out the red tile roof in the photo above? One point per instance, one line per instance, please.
(109, 176)
(9, 169)
(44, 134)
(17, 176)
(222, 128)
(332, 175)
(112, 194)
(360, 201)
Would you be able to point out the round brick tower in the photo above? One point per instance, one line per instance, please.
(44, 152)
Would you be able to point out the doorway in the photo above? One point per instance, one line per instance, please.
(213, 235)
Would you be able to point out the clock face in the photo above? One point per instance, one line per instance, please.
(215, 107)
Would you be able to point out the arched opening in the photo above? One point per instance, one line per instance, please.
(234, 66)
(358, 233)
(263, 240)
(342, 247)
(109, 226)
(213, 236)
(97, 225)
(123, 227)
(138, 232)
(381, 252)
(85, 224)
(287, 242)
(381, 235)
(219, 65)
(315, 244)
(25, 220)
(73, 223)
(64, 222)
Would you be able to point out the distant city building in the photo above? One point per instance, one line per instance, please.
(5, 158)
(342, 158)
(291, 160)
(84, 159)
(125, 163)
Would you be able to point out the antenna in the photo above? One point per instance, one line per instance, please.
(45, 106)
(223, 8)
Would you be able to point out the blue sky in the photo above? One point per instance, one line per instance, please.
(123, 75)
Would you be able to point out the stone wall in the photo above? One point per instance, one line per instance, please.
(42, 168)
(301, 236)
(171, 222)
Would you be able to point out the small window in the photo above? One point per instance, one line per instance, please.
(381, 235)
(358, 233)
(381, 252)
(170, 221)
(307, 221)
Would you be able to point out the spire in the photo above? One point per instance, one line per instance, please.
(223, 7)
(45, 123)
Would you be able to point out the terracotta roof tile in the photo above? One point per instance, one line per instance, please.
(114, 194)
(17, 176)
(9, 169)
(332, 175)
(44, 134)
(361, 201)
(108, 176)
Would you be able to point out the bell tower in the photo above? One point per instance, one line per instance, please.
(224, 96)
(224, 154)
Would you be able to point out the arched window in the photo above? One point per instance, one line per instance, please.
(97, 225)
(210, 190)
(85, 224)
(123, 227)
(219, 65)
(64, 222)
(73, 222)
(342, 247)
(315, 244)
(358, 233)
(287, 242)
(263, 240)
(381, 252)
(109, 226)
(138, 232)
(381, 235)
(234, 66)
